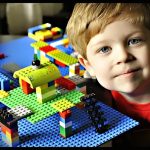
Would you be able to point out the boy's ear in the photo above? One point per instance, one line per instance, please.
(86, 64)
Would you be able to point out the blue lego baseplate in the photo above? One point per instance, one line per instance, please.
(46, 132)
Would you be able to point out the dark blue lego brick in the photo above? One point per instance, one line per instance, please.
(2, 105)
(10, 76)
(46, 132)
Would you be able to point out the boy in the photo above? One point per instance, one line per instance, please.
(113, 42)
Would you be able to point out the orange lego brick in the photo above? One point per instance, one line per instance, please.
(65, 114)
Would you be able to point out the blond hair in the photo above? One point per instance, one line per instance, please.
(89, 19)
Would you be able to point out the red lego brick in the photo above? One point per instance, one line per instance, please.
(26, 87)
(80, 105)
(65, 114)
(54, 33)
(47, 48)
(65, 83)
(2, 55)
(59, 63)
(77, 70)
(5, 128)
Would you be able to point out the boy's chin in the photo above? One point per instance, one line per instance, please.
(127, 90)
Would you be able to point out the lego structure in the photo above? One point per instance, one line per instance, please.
(46, 106)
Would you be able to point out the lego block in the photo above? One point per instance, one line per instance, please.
(35, 29)
(3, 94)
(4, 82)
(62, 57)
(65, 125)
(66, 132)
(38, 44)
(2, 56)
(62, 105)
(43, 34)
(11, 67)
(48, 70)
(64, 49)
(26, 87)
(47, 48)
(65, 114)
(78, 80)
(17, 97)
(66, 120)
(64, 82)
(63, 41)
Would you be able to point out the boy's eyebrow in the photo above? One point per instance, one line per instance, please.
(105, 41)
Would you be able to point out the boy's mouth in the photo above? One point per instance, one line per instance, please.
(128, 72)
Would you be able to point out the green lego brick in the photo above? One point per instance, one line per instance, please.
(62, 57)
(40, 111)
(66, 131)
(38, 44)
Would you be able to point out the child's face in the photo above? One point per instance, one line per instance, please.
(120, 56)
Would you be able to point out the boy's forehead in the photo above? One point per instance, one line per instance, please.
(117, 28)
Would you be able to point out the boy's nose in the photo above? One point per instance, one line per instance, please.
(123, 56)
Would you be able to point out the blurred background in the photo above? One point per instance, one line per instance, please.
(16, 18)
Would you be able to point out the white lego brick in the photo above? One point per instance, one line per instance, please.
(65, 125)
(19, 111)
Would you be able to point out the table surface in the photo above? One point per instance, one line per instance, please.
(6, 38)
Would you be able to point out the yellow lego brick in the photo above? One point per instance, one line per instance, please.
(44, 90)
(48, 71)
(3, 94)
(81, 72)
(44, 86)
(56, 36)
(32, 36)
(43, 59)
(62, 57)
(38, 44)
(20, 83)
(40, 88)
(72, 71)
(66, 41)
(44, 34)
(46, 95)
(46, 25)
(12, 137)
(41, 101)
(62, 104)
(56, 29)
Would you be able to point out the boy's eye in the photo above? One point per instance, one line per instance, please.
(134, 41)
(105, 49)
